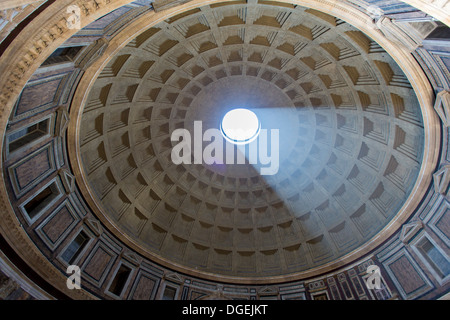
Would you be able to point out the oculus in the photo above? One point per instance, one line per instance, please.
(240, 126)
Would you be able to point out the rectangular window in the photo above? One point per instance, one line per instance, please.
(119, 281)
(169, 293)
(320, 296)
(74, 249)
(440, 33)
(27, 135)
(41, 200)
(434, 257)
(62, 55)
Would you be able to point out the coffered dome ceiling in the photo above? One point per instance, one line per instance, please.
(351, 140)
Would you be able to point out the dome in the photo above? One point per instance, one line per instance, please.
(345, 167)
(119, 157)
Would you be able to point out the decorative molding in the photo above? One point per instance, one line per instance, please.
(68, 180)
(10, 4)
(62, 121)
(442, 179)
(11, 17)
(161, 5)
(268, 291)
(409, 279)
(39, 39)
(132, 257)
(442, 107)
(10, 270)
(409, 230)
(173, 276)
(439, 9)
(395, 34)
(91, 54)
(95, 226)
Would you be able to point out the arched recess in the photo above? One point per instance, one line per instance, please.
(49, 30)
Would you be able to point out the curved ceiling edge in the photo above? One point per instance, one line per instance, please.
(362, 22)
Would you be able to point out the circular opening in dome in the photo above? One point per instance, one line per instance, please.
(240, 126)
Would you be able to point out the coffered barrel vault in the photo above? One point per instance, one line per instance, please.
(362, 174)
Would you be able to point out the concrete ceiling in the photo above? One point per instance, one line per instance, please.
(350, 126)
